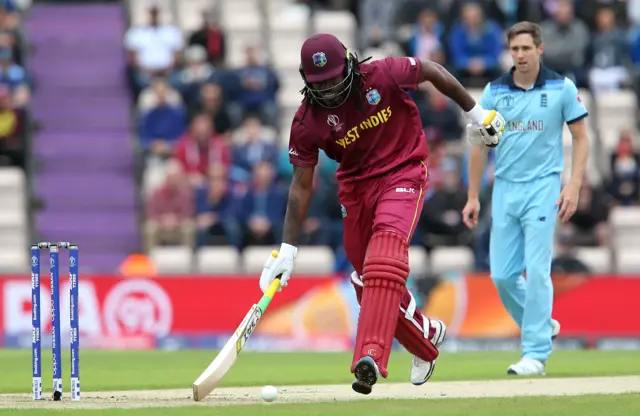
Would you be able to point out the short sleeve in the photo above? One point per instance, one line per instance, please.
(486, 101)
(176, 39)
(406, 71)
(573, 108)
(303, 147)
(131, 38)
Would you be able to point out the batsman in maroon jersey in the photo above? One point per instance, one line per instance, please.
(361, 115)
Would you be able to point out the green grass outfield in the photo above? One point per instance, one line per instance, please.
(144, 370)
(595, 405)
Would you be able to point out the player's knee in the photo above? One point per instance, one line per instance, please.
(539, 276)
(387, 257)
(505, 280)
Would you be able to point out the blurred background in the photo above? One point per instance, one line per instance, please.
(154, 135)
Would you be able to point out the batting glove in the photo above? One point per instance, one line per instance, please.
(278, 263)
(486, 127)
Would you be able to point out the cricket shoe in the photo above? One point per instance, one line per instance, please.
(527, 367)
(367, 373)
(556, 329)
(422, 370)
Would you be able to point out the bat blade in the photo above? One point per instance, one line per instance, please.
(225, 359)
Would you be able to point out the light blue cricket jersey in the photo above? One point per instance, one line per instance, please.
(531, 145)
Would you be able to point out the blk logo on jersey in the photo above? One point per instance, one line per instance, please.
(319, 59)
(373, 97)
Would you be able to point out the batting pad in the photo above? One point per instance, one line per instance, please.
(386, 270)
(414, 330)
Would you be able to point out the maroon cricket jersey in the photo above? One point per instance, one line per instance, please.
(386, 134)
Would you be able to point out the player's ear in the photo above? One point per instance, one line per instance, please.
(541, 49)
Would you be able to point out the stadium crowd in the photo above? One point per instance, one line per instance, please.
(216, 172)
(15, 86)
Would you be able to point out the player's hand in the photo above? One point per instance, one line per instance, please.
(568, 201)
(489, 132)
(471, 212)
(278, 263)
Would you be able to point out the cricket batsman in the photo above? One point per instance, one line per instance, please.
(361, 115)
(527, 193)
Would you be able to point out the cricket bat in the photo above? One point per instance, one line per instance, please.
(221, 365)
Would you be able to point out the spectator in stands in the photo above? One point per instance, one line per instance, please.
(625, 171)
(12, 74)
(263, 208)
(199, 147)
(212, 38)
(441, 220)
(590, 221)
(334, 213)
(475, 45)
(566, 41)
(633, 42)
(212, 103)
(11, 148)
(509, 12)
(609, 54)
(565, 260)
(376, 22)
(153, 50)
(216, 220)
(315, 230)
(407, 11)
(428, 34)
(589, 9)
(149, 97)
(195, 73)
(326, 167)
(9, 15)
(633, 12)
(162, 125)
(15, 42)
(440, 113)
(437, 154)
(253, 149)
(169, 211)
(379, 48)
(259, 86)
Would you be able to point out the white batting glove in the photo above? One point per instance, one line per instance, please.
(486, 127)
(278, 263)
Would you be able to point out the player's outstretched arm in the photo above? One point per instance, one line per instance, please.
(280, 263)
(490, 124)
(300, 194)
(448, 85)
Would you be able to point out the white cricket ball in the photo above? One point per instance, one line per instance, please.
(269, 393)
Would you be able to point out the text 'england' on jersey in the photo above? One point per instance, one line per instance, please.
(387, 133)
(531, 145)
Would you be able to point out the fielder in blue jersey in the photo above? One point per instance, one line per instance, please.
(528, 195)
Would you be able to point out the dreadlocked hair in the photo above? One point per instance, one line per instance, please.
(357, 83)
